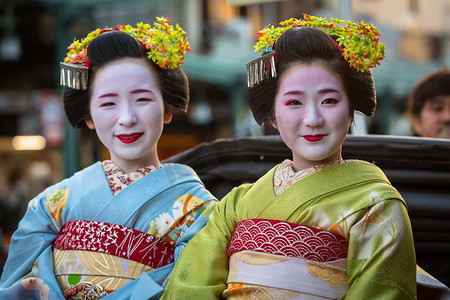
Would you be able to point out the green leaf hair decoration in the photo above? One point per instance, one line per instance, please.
(358, 42)
(166, 46)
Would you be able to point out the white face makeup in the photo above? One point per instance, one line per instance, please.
(127, 112)
(312, 114)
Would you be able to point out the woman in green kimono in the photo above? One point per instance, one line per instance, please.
(316, 226)
(114, 229)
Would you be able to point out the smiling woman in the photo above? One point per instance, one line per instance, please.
(114, 229)
(129, 113)
(316, 226)
(312, 115)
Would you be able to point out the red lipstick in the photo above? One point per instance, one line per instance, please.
(314, 138)
(129, 138)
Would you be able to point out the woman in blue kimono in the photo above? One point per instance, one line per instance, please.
(114, 229)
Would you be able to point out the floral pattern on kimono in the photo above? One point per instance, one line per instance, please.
(353, 199)
(90, 193)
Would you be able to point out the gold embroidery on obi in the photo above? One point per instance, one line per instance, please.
(110, 271)
(251, 258)
(332, 275)
(233, 270)
(249, 291)
(258, 258)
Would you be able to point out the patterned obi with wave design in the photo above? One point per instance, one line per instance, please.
(110, 255)
(271, 257)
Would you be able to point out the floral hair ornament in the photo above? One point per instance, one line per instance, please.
(357, 42)
(165, 45)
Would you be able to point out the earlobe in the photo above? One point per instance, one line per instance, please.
(415, 120)
(89, 123)
(168, 114)
(273, 122)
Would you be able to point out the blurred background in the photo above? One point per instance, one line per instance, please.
(39, 148)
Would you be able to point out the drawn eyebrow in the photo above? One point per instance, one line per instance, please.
(293, 93)
(108, 95)
(323, 91)
(328, 91)
(141, 91)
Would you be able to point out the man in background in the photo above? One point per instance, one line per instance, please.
(429, 105)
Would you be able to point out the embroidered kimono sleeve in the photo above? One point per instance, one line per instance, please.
(381, 258)
(202, 270)
(199, 216)
(150, 285)
(30, 252)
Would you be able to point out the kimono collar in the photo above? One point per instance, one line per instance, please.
(118, 180)
(285, 175)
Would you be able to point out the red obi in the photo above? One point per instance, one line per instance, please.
(115, 240)
(288, 239)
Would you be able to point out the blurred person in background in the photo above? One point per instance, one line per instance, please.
(114, 229)
(429, 105)
(3, 197)
(13, 203)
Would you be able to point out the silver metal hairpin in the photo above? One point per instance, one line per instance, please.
(261, 68)
(74, 76)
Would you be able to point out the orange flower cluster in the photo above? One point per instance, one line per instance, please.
(166, 46)
(359, 42)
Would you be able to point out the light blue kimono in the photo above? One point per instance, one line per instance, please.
(91, 199)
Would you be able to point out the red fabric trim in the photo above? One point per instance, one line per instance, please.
(288, 239)
(339, 48)
(115, 240)
(87, 64)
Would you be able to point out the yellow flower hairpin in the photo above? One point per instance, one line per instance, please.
(165, 44)
(358, 42)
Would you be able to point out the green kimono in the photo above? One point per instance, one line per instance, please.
(354, 200)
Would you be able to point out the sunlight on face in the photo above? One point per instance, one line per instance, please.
(312, 114)
(127, 112)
